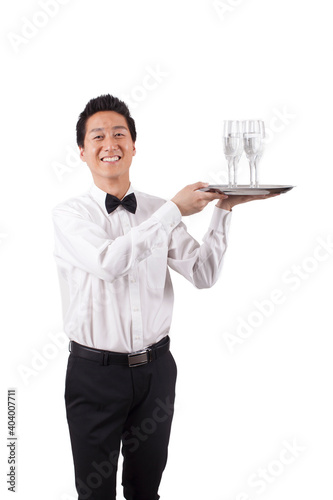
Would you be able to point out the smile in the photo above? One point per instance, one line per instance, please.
(111, 159)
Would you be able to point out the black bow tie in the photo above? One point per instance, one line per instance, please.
(112, 202)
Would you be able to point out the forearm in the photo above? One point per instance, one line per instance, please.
(201, 264)
(85, 245)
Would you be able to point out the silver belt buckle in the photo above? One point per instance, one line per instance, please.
(139, 358)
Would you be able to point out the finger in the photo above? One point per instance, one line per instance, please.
(199, 185)
(270, 195)
(206, 195)
(260, 196)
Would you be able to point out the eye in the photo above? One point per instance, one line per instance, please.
(119, 134)
(98, 137)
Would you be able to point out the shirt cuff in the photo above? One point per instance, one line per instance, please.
(168, 215)
(220, 220)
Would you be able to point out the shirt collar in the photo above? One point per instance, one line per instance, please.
(99, 195)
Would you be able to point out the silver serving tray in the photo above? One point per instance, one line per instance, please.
(246, 189)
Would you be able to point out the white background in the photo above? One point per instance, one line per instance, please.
(238, 403)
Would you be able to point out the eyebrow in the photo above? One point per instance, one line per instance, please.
(116, 127)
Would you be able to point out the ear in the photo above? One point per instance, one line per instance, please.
(82, 154)
(134, 150)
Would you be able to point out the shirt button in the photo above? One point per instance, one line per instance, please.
(135, 309)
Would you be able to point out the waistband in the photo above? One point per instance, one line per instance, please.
(132, 360)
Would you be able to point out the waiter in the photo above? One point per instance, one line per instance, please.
(113, 247)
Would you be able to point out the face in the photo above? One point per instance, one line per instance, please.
(108, 147)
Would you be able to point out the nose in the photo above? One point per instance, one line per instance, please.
(110, 144)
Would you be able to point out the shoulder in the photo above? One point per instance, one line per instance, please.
(76, 205)
(148, 203)
(149, 198)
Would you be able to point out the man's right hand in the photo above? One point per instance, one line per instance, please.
(190, 201)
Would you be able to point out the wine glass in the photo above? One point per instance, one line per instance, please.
(253, 146)
(232, 147)
(260, 153)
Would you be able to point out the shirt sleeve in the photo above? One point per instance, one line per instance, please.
(200, 264)
(84, 244)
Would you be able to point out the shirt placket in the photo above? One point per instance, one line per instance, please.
(134, 291)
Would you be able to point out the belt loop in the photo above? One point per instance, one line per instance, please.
(69, 346)
(105, 359)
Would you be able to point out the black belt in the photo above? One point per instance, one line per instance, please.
(117, 358)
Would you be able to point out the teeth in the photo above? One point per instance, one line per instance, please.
(111, 158)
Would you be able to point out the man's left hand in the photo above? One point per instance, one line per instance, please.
(232, 200)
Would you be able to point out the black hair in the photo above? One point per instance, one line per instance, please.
(104, 102)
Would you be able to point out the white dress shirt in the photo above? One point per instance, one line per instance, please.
(115, 283)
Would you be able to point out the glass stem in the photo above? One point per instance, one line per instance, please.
(252, 168)
(230, 171)
(234, 166)
(256, 172)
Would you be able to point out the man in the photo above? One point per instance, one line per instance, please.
(113, 246)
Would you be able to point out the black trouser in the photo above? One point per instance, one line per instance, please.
(107, 405)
